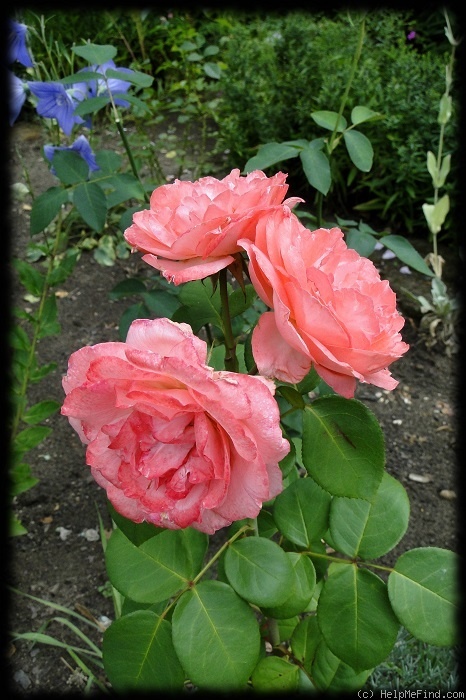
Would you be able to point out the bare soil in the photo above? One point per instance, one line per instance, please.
(61, 558)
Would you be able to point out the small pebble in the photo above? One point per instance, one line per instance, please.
(23, 679)
(63, 532)
(420, 478)
(91, 535)
(447, 494)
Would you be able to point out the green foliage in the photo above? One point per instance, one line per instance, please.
(338, 619)
(38, 280)
(215, 653)
(338, 451)
(412, 583)
(289, 601)
(307, 55)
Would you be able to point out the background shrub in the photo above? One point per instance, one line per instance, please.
(282, 67)
(275, 69)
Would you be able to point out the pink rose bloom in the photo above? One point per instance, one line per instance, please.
(330, 307)
(171, 440)
(192, 228)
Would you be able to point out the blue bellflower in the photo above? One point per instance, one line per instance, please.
(17, 48)
(102, 88)
(58, 102)
(16, 97)
(81, 146)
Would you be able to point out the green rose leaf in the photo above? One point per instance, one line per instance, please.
(423, 591)
(161, 304)
(127, 287)
(216, 636)
(259, 570)
(355, 617)
(286, 627)
(370, 530)
(305, 640)
(292, 395)
(288, 462)
(139, 655)
(240, 300)
(21, 478)
(309, 382)
(301, 511)
(343, 447)
(301, 590)
(275, 674)
(200, 305)
(137, 533)
(158, 568)
(330, 673)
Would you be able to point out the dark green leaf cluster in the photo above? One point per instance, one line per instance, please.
(299, 599)
(309, 56)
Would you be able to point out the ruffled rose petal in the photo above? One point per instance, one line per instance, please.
(274, 356)
(173, 441)
(191, 229)
(329, 303)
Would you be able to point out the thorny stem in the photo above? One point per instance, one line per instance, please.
(231, 361)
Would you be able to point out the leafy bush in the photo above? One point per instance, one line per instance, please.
(283, 67)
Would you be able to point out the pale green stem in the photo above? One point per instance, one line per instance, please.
(439, 163)
(274, 631)
(254, 526)
(354, 65)
(338, 560)
(219, 553)
(129, 153)
(35, 337)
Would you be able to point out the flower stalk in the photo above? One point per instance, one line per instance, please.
(231, 360)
